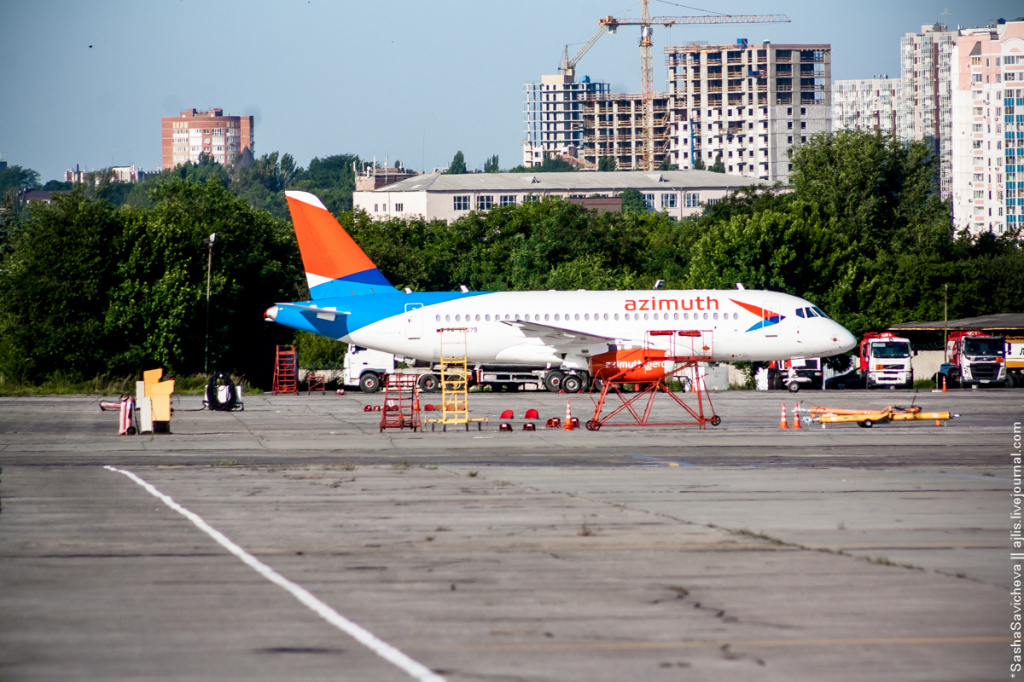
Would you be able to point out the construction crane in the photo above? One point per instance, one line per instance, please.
(646, 23)
(568, 66)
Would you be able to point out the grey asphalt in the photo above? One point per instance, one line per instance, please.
(735, 552)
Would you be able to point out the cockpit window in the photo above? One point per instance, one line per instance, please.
(821, 312)
(799, 312)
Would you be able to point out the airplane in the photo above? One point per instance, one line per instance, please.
(576, 334)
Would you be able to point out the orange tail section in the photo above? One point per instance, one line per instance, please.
(335, 265)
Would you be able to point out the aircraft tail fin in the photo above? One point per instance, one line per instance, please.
(335, 265)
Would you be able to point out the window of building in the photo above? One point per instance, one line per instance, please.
(461, 202)
(507, 200)
(399, 207)
(668, 200)
(484, 201)
(649, 200)
(691, 199)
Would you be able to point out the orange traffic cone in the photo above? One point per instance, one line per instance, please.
(568, 425)
(943, 383)
(783, 424)
(796, 416)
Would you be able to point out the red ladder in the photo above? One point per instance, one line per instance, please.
(401, 402)
(286, 371)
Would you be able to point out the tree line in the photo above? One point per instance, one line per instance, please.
(90, 288)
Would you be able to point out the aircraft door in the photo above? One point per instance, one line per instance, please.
(414, 320)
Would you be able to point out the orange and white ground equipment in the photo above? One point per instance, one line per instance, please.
(867, 418)
(665, 355)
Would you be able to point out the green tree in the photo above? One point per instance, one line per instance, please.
(157, 308)
(332, 179)
(491, 165)
(882, 193)
(667, 165)
(55, 287)
(607, 163)
(263, 182)
(718, 166)
(698, 162)
(549, 165)
(633, 202)
(458, 164)
(15, 179)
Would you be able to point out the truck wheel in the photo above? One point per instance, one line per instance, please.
(571, 383)
(793, 387)
(369, 382)
(429, 383)
(553, 381)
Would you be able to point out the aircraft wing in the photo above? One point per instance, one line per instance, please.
(328, 313)
(557, 336)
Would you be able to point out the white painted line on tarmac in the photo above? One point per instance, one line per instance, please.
(365, 637)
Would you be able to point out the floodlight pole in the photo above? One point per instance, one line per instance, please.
(945, 323)
(209, 265)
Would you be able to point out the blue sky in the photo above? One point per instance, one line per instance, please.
(411, 80)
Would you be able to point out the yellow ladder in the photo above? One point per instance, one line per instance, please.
(454, 380)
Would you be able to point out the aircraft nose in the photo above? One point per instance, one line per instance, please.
(270, 314)
(843, 339)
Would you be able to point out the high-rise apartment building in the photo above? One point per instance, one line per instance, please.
(747, 104)
(553, 115)
(613, 127)
(987, 123)
(866, 104)
(925, 107)
(194, 133)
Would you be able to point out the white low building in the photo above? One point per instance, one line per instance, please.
(435, 196)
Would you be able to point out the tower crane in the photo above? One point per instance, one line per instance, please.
(568, 66)
(646, 23)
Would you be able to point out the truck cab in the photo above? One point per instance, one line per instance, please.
(365, 367)
(976, 359)
(885, 360)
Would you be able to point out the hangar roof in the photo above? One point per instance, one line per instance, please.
(582, 181)
(996, 322)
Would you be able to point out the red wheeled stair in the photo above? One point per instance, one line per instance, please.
(286, 371)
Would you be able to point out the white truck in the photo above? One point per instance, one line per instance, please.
(975, 359)
(365, 368)
(885, 360)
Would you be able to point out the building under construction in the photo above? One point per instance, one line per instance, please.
(747, 104)
(613, 127)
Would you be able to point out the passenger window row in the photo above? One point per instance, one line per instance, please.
(558, 317)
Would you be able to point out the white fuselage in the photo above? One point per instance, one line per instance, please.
(623, 318)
